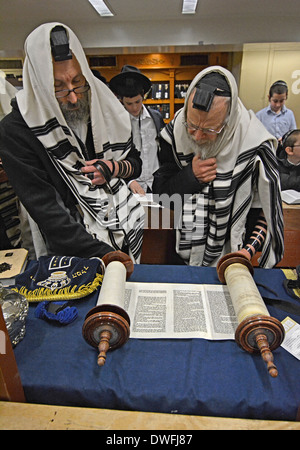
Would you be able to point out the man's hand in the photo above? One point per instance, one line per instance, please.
(204, 170)
(94, 174)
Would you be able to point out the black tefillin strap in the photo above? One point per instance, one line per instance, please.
(104, 170)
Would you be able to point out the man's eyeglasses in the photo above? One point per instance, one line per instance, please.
(77, 90)
(204, 130)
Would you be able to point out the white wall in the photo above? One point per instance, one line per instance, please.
(262, 65)
(215, 31)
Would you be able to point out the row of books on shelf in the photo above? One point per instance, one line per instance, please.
(161, 91)
(181, 90)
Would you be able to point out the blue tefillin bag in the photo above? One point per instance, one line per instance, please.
(57, 280)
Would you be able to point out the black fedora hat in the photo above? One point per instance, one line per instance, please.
(129, 82)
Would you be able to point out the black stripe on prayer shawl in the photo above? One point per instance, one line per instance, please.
(9, 213)
(78, 165)
(117, 186)
(210, 254)
(225, 176)
(247, 155)
(169, 128)
(239, 212)
(49, 126)
(221, 193)
(98, 210)
(113, 241)
(185, 158)
(118, 147)
(276, 206)
(126, 146)
(63, 149)
(137, 238)
(98, 213)
(131, 212)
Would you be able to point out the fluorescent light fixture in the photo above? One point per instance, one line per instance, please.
(189, 6)
(101, 8)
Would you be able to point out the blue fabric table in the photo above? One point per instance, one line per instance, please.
(188, 376)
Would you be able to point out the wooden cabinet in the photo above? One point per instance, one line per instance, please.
(170, 74)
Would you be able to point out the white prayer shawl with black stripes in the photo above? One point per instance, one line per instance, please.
(111, 131)
(214, 221)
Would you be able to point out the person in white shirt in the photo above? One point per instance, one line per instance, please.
(131, 86)
(276, 117)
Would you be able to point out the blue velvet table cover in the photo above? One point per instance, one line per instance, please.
(184, 376)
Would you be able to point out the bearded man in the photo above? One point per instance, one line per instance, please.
(68, 152)
(221, 160)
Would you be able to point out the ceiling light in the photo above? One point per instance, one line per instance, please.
(189, 6)
(101, 8)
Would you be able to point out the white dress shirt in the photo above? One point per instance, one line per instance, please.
(144, 138)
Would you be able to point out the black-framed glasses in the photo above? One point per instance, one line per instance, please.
(193, 128)
(76, 90)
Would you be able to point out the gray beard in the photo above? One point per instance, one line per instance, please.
(75, 117)
(205, 150)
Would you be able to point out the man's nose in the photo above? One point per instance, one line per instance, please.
(72, 97)
(199, 134)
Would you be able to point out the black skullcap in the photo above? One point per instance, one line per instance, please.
(218, 81)
(279, 83)
(287, 135)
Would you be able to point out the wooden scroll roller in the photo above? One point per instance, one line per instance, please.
(107, 325)
(257, 331)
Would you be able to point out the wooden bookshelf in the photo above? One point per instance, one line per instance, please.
(174, 70)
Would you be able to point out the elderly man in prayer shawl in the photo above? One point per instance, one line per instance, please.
(221, 160)
(68, 152)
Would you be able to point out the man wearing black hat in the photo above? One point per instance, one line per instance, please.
(218, 163)
(131, 86)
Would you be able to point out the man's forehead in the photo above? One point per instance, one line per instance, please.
(67, 65)
(217, 113)
(136, 98)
